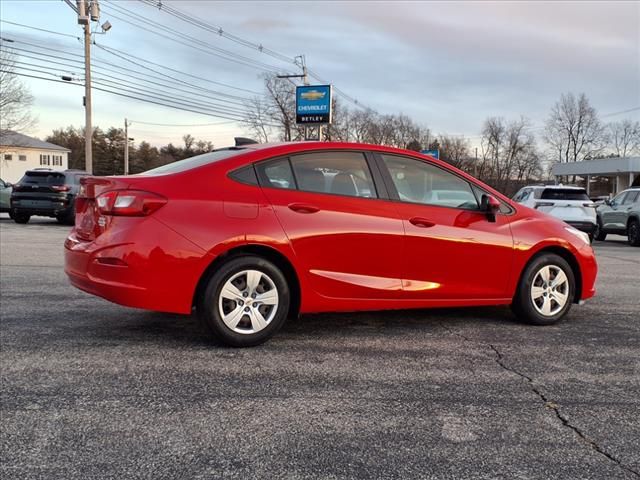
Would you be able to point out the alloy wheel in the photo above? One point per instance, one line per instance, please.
(549, 290)
(248, 301)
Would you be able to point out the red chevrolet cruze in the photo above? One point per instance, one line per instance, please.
(252, 234)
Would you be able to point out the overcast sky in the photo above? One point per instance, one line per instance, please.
(448, 65)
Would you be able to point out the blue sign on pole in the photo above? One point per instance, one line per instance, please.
(432, 153)
(313, 104)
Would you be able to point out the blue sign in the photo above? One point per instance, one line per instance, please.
(432, 153)
(313, 104)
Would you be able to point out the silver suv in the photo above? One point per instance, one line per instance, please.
(621, 215)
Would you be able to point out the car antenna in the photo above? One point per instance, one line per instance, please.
(240, 141)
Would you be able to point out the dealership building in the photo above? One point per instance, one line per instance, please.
(606, 175)
(19, 153)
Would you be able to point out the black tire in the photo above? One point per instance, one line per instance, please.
(20, 217)
(67, 219)
(523, 304)
(633, 233)
(599, 233)
(209, 301)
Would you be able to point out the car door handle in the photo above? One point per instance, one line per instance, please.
(303, 208)
(421, 222)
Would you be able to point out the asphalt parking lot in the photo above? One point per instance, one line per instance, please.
(94, 390)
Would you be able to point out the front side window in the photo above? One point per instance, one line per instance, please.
(338, 173)
(8, 156)
(420, 182)
(631, 197)
(22, 158)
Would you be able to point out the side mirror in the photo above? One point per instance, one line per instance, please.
(490, 206)
(607, 201)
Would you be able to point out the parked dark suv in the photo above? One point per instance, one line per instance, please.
(47, 193)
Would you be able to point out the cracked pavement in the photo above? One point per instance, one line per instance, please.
(94, 390)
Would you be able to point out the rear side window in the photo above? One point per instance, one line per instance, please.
(338, 173)
(276, 174)
(564, 194)
(194, 162)
(245, 175)
(43, 178)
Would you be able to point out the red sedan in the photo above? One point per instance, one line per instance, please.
(253, 234)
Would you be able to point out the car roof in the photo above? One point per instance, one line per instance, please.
(571, 187)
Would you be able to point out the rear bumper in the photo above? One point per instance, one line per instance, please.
(51, 208)
(587, 227)
(147, 266)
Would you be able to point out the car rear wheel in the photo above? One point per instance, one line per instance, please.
(245, 301)
(20, 217)
(599, 234)
(546, 290)
(633, 233)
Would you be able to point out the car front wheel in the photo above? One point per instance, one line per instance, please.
(546, 290)
(633, 233)
(20, 217)
(245, 301)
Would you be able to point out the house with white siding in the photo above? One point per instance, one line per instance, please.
(19, 153)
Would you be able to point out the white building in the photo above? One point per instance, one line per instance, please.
(19, 153)
(623, 172)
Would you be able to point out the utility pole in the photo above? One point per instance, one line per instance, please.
(475, 164)
(88, 127)
(126, 147)
(88, 11)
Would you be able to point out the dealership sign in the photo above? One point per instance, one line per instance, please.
(313, 104)
(431, 153)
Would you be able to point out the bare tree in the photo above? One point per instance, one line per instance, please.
(508, 153)
(15, 98)
(624, 137)
(455, 151)
(573, 130)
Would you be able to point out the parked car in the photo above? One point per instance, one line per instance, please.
(48, 193)
(568, 203)
(620, 215)
(5, 197)
(252, 234)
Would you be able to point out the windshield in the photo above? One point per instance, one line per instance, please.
(43, 178)
(194, 162)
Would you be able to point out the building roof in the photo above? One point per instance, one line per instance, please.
(601, 166)
(9, 138)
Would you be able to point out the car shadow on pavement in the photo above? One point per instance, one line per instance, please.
(185, 330)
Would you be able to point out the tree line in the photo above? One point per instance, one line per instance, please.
(508, 155)
(109, 145)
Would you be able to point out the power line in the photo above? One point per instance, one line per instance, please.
(150, 93)
(132, 56)
(40, 29)
(182, 124)
(162, 5)
(134, 97)
(187, 40)
(237, 99)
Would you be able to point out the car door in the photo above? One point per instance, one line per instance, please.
(451, 250)
(613, 217)
(627, 205)
(347, 238)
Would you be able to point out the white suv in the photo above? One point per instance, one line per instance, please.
(571, 204)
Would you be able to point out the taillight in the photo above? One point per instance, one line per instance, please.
(60, 188)
(129, 203)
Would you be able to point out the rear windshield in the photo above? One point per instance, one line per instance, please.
(564, 194)
(43, 178)
(194, 162)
